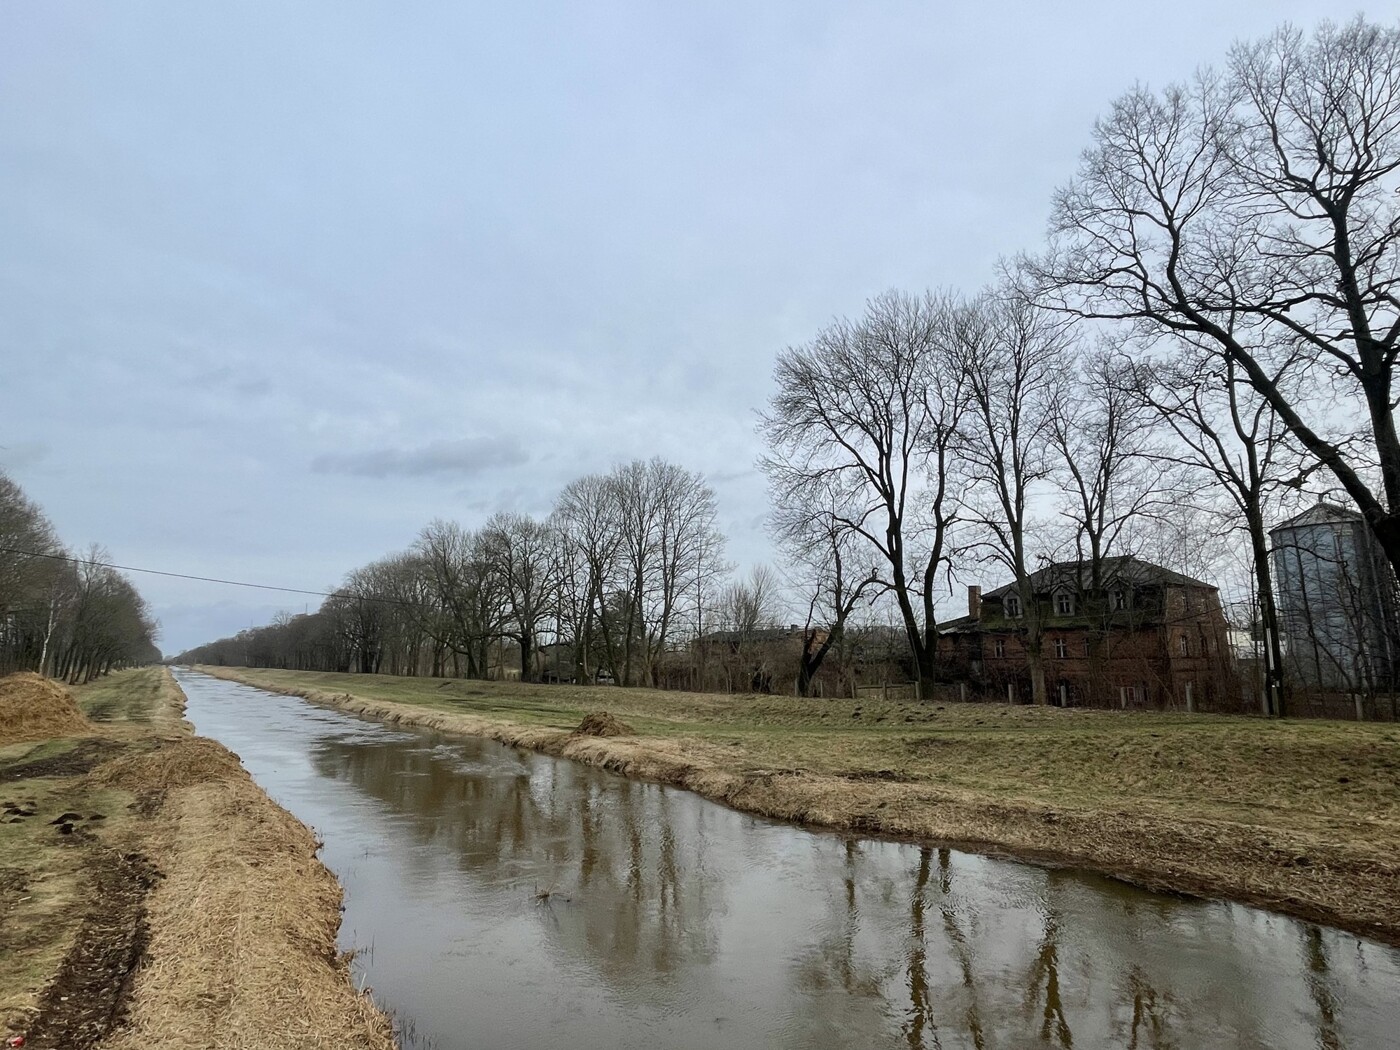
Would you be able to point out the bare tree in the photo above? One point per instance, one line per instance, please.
(1110, 476)
(108, 624)
(520, 551)
(589, 530)
(468, 598)
(1112, 485)
(1227, 432)
(668, 547)
(869, 410)
(1255, 211)
(1014, 357)
(750, 603)
(837, 570)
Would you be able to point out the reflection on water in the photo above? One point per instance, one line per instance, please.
(507, 900)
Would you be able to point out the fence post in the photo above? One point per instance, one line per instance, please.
(885, 690)
(962, 691)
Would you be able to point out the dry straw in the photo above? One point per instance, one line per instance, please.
(34, 708)
(242, 952)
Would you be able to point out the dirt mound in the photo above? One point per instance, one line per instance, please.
(175, 763)
(33, 707)
(601, 723)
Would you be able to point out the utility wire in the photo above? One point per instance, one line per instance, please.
(714, 625)
(201, 579)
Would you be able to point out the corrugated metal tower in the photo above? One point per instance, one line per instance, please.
(1336, 601)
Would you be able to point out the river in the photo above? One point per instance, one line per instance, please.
(501, 899)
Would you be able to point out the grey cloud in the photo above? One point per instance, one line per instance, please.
(23, 454)
(253, 387)
(462, 458)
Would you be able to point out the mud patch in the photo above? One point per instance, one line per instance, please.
(83, 758)
(88, 996)
(888, 776)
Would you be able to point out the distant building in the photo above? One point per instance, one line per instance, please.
(1336, 601)
(1145, 636)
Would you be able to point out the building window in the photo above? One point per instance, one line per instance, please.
(1012, 605)
(1064, 604)
(1088, 649)
(1120, 599)
(1061, 648)
(1183, 645)
(999, 647)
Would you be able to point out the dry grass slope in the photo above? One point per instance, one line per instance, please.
(190, 912)
(243, 950)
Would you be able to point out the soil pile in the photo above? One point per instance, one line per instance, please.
(34, 708)
(602, 723)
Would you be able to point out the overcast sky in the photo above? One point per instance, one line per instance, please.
(280, 283)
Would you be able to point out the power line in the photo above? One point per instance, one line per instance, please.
(713, 625)
(201, 579)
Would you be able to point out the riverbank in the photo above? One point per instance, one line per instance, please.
(152, 895)
(1298, 817)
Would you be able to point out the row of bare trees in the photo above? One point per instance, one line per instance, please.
(936, 432)
(627, 563)
(70, 617)
(1209, 337)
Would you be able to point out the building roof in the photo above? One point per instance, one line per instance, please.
(1319, 514)
(1123, 568)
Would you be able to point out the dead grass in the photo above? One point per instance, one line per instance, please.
(174, 762)
(603, 723)
(1300, 816)
(235, 945)
(33, 707)
(243, 950)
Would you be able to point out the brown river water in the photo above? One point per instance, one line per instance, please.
(502, 899)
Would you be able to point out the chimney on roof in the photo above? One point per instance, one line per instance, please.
(974, 602)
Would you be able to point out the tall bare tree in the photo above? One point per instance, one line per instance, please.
(837, 570)
(1224, 430)
(1255, 210)
(1107, 468)
(1014, 357)
(469, 601)
(869, 411)
(520, 551)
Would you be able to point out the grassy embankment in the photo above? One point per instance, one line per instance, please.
(1299, 816)
(150, 893)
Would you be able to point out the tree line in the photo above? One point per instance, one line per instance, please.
(627, 564)
(1206, 341)
(63, 614)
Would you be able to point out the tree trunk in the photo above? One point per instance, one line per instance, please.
(1275, 701)
(527, 656)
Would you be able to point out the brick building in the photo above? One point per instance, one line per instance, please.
(1144, 637)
